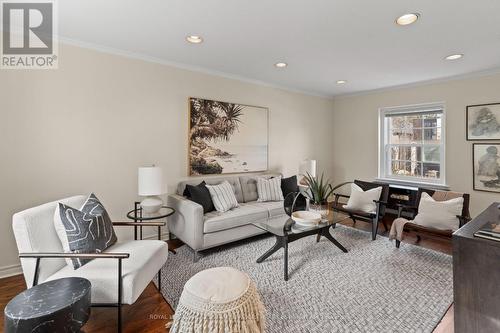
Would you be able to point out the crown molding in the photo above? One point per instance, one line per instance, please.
(192, 68)
(483, 73)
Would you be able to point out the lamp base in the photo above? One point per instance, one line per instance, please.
(151, 204)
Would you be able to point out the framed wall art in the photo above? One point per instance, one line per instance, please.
(227, 137)
(486, 168)
(483, 122)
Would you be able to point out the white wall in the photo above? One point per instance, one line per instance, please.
(355, 130)
(88, 125)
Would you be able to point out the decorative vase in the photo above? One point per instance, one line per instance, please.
(321, 208)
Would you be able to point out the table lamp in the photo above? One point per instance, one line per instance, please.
(307, 167)
(150, 184)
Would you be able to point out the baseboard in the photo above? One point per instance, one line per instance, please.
(10, 270)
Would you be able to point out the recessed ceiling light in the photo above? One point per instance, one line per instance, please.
(407, 19)
(280, 64)
(194, 39)
(454, 56)
(341, 82)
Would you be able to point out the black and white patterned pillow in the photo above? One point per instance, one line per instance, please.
(85, 230)
(223, 196)
(269, 189)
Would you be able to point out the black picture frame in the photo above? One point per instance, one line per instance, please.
(467, 129)
(474, 183)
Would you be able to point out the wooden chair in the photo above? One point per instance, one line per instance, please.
(373, 218)
(428, 231)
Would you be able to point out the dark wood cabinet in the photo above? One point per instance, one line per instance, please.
(476, 277)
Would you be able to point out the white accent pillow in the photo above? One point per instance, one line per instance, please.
(223, 196)
(269, 189)
(439, 214)
(363, 200)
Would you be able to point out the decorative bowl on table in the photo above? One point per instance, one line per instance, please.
(306, 218)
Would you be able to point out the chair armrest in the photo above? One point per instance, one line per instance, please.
(143, 224)
(187, 222)
(463, 220)
(102, 255)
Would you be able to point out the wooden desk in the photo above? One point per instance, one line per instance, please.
(476, 277)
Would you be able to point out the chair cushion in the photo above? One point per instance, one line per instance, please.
(340, 207)
(242, 215)
(363, 200)
(146, 259)
(223, 196)
(85, 230)
(439, 214)
(269, 189)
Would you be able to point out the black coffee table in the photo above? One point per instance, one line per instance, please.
(286, 231)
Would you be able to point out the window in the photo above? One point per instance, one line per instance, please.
(412, 144)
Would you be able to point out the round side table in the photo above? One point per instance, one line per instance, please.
(137, 215)
(61, 305)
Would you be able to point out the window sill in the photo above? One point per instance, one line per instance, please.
(413, 184)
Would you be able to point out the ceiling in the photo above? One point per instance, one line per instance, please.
(321, 40)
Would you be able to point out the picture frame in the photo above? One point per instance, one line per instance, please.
(226, 137)
(485, 167)
(483, 122)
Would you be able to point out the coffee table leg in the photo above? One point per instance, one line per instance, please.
(285, 257)
(278, 245)
(326, 233)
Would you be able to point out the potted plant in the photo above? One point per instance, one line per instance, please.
(318, 193)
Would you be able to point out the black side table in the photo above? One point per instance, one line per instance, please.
(137, 215)
(61, 305)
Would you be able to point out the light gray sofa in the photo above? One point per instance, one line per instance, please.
(201, 231)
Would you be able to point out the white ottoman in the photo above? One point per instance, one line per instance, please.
(220, 299)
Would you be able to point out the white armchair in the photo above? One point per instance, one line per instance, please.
(113, 283)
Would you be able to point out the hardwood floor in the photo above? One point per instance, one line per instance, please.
(150, 313)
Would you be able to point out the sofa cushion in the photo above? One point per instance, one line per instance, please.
(269, 189)
(242, 215)
(234, 181)
(289, 185)
(273, 208)
(146, 259)
(249, 186)
(201, 195)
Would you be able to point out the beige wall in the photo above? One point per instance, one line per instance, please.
(88, 125)
(355, 131)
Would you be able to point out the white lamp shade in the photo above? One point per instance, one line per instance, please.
(150, 181)
(308, 167)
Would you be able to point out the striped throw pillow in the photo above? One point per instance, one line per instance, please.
(269, 189)
(223, 196)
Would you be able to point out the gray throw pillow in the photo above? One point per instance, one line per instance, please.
(85, 230)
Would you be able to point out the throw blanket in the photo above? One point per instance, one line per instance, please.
(397, 228)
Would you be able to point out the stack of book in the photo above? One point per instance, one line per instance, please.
(489, 231)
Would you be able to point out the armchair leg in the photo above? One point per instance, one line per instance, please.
(374, 228)
(419, 238)
(195, 256)
(398, 243)
(318, 237)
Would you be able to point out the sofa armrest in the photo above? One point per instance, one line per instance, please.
(187, 222)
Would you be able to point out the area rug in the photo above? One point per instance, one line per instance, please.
(372, 288)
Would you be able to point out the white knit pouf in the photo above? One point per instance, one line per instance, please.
(219, 300)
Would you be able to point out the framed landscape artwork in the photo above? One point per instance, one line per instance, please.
(486, 168)
(226, 137)
(483, 122)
